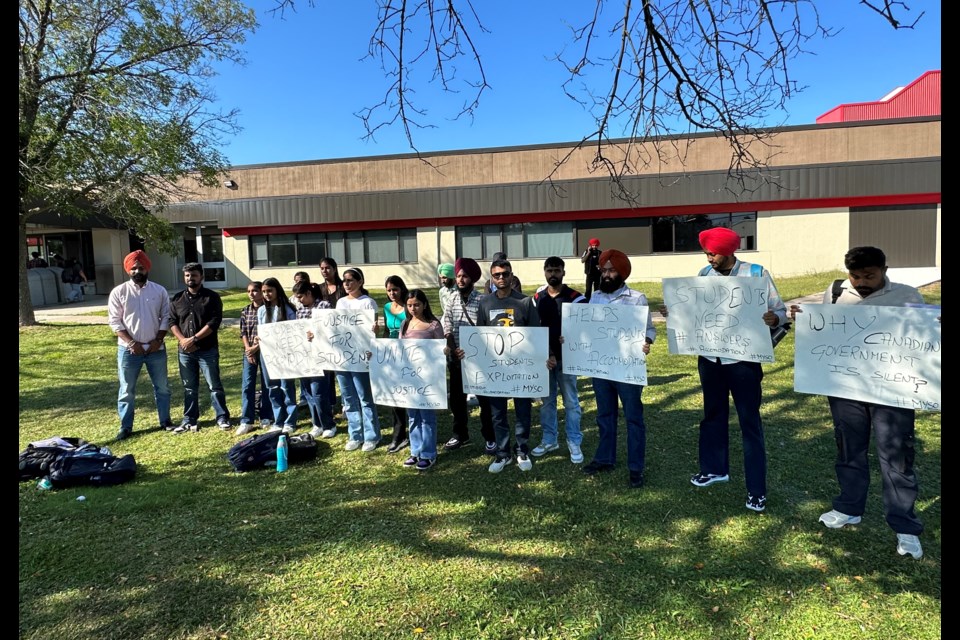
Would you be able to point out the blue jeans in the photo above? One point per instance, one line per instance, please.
(742, 381)
(283, 399)
(206, 361)
(75, 293)
(363, 423)
(423, 433)
(501, 425)
(128, 369)
(316, 391)
(607, 393)
(251, 408)
(566, 385)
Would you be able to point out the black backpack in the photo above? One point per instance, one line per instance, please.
(36, 459)
(91, 468)
(259, 451)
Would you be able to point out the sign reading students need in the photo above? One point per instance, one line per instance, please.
(506, 362)
(286, 351)
(884, 355)
(718, 317)
(409, 373)
(605, 341)
(342, 339)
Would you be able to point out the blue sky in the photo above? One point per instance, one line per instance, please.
(305, 78)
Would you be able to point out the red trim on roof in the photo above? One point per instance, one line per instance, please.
(606, 214)
(919, 98)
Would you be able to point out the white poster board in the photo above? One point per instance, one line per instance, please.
(409, 373)
(718, 317)
(605, 341)
(342, 339)
(884, 355)
(506, 362)
(287, 354)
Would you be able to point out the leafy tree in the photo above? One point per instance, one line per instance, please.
(115, 109)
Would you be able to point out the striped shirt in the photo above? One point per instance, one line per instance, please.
(461, 313)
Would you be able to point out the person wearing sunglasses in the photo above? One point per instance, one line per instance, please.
(363, 424)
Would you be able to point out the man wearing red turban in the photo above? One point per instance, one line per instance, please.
(722, 377)
(591, 265)
(138, 312)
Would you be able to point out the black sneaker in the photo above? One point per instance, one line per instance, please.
(595, 467)
(636, 479)
(455, 443)
(185, 427)
(168, 425)
(425, 464)
(490, 448)
(123, 434)
(707, 479)
(756, 503)
(396, 447)
(411, 461)
(223, 423)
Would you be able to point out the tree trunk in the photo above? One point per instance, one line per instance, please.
(26, 305)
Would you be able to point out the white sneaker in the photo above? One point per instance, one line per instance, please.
(908, 544)
(524, 463)
(244, 429)
(288, 429)
(833, 519)
(316, 432)
(576, 455)
(544, 448)
(329, 433)
(353, 445)
(274, 428)
(369, 446)
(497, 465)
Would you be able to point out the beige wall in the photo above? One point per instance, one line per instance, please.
(110, 246)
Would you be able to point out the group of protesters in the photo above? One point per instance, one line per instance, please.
(141, 314)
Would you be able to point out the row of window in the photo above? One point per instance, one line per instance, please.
(668, 234)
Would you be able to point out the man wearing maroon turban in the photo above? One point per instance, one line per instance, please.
(722, 377)
(138, 312)
(615, 268)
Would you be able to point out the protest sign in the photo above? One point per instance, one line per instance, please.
(718, 317)
(342, 339)
(884, 355)
(505, 362)
(286, 351)
(605, 341)
(409, 373)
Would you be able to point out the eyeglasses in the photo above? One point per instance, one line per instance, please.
(501, 274)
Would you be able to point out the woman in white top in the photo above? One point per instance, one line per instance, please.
(363, 424)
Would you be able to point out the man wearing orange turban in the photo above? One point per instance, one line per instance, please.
(722, 377)
(138, 311)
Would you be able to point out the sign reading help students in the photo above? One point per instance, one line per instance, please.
(409, 373)
(605, 341)
(342, 339)
(718, 317)
(286, 351)
(506, 362)
(884, 355)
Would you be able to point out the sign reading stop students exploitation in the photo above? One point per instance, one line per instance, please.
(506, 362)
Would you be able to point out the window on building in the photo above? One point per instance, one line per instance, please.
(384, 246)
(519, 240)
(680, 234)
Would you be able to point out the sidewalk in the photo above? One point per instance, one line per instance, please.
(75, 313)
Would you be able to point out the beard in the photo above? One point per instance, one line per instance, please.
(139, 279)
(554, 282)
(609, 285)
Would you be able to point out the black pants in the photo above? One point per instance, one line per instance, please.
(460, 411)
(593, 282)
(894, 429)
(399, 424)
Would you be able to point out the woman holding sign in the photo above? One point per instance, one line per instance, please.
(363, 424)
(421, 324)
(315, 390)
(283, 394)
(394, 315)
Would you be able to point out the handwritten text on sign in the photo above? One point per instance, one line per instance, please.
(409, 373)
(342, 339)
(884, 355)
(286, 352)
(505, 362)
(718, 317)
(605, 341)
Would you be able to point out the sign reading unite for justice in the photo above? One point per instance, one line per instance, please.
(409, 373)
(505, 362)
(718, 317)
(884, 355)
(605, 341)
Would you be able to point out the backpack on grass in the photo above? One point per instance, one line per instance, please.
(36, 459)
(91, 468)
(259, 451)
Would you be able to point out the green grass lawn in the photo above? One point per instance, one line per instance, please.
(355, 546)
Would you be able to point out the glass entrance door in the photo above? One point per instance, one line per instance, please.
(203, 243)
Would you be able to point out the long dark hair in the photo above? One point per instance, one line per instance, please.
(398, 282)
(337, 280)
(283, 302)
(312, 288)
(359, 276)
(427, 312)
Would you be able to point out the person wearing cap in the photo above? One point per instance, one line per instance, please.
(722, 377)
(591, 265)
(138, 312)
(463, 311)
(615, 268)
(447, 279)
